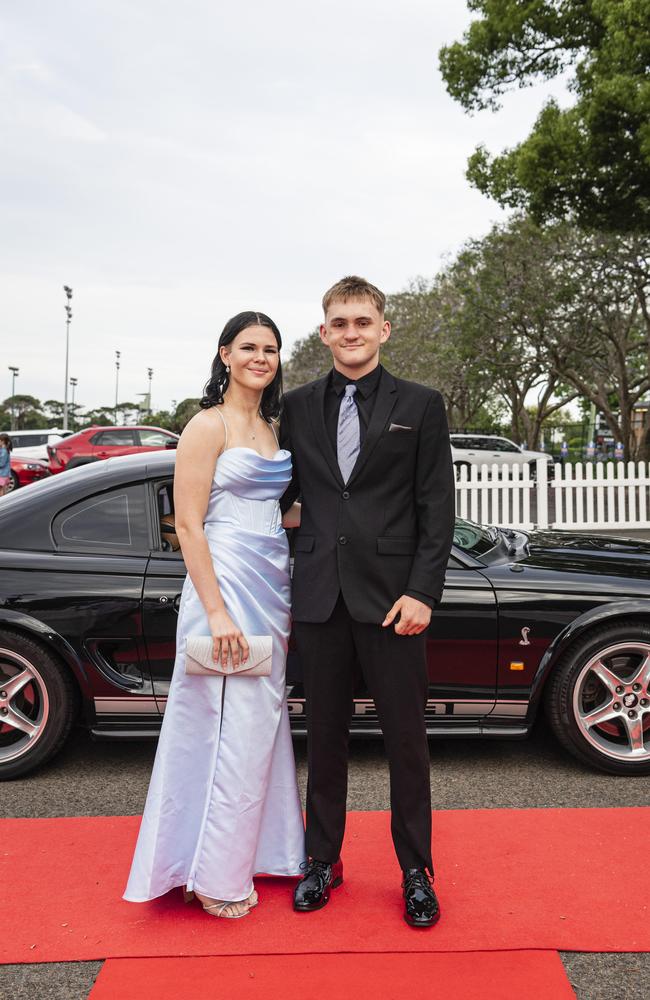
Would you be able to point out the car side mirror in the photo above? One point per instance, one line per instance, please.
(171, 444)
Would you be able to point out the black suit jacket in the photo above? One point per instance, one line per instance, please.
(389, 529)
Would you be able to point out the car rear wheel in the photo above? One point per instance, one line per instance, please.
(463, 465)
(37, 705)
(81, 460)
(14, 482)
(598, 699)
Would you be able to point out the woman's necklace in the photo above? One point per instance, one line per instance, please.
(253, 432)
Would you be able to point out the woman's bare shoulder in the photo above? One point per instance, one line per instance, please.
(204, 430)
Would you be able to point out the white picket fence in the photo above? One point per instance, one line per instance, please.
(604, 495)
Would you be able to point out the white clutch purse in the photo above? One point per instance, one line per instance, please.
(199, 657)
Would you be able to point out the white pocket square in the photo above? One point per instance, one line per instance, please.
(199, 658)
(399, 427)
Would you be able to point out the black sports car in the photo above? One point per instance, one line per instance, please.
(90, 581)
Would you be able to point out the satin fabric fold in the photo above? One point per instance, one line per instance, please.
(223, 802)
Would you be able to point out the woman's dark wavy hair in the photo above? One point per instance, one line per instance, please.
(217, 384)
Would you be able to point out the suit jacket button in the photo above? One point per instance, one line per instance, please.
(345, 494)
(342, 539)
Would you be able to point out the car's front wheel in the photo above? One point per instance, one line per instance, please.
(37, 705)
(598, 699)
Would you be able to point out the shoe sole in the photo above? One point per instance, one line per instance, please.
(324, 901)
(421, 924)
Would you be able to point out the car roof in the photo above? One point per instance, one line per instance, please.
(26, 514)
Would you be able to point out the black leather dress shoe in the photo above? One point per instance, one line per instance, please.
(421, 904)
(313, 890)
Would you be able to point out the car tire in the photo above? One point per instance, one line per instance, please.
(598, 699)
(47, 703)
(74, 463)
(463, 465)
(14, 482)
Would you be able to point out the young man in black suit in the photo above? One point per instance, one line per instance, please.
(372, 464)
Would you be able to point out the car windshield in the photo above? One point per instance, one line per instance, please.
(474, 538)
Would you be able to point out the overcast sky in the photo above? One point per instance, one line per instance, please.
(176, 163)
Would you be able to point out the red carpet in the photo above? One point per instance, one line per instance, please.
(498, 975)
(507, 880)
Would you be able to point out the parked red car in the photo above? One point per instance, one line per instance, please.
(27, 470)
(96, 443)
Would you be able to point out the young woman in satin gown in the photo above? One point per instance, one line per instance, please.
(223, 802)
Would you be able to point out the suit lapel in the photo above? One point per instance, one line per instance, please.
(317, 414)
(386, 399)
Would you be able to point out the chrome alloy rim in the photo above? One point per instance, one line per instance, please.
(611, 701)
(24, 705)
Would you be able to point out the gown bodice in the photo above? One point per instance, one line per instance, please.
(246, 490)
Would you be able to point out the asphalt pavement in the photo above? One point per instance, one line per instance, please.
(100, 779)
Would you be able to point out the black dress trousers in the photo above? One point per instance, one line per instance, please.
(395, 672)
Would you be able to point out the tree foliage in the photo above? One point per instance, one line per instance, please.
(309, 360)
(589, 163)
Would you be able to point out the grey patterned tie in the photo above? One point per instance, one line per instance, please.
(348, 437)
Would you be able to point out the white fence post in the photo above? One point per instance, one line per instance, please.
(541, 486)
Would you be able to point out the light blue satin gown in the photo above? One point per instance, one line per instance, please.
(223, 801)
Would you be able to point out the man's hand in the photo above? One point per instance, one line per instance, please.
(414, 616)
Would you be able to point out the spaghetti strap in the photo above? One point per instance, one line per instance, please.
(272, 425)
(225, 426)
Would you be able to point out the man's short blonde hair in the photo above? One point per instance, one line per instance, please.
(353, 287)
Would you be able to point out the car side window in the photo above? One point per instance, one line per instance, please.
(27, 440)
(106, 522)
(168, 541)
(501, 444)
(124, 438)
(154, 439)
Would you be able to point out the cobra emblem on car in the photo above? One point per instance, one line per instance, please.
(524, 641)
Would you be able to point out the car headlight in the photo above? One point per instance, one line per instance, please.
(35, 465)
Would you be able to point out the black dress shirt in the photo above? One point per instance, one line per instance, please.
(364, 397)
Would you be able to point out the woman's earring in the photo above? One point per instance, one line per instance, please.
(227, 369)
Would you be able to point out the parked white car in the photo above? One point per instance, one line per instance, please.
(33, 443)
(486, 449)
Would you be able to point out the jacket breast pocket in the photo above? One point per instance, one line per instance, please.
(396, 545)
(303, 543)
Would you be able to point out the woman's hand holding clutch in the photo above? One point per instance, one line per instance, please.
(227, 639)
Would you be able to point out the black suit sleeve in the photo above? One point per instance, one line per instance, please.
(435, 503)
(292, 491)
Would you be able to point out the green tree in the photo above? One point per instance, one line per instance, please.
(309, 359)
(512, 300)
(100, 416)
(184, 413)
(433, 343)
(29, 415)
(589, 163)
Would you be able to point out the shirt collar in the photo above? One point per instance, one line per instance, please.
(366, 385)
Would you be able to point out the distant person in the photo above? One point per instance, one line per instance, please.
(5, 463)
(372, 464)
(223, 801)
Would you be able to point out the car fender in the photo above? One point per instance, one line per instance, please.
(603, 615)
(36, 629)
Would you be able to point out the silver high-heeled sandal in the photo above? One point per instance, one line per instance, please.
(218, 907)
